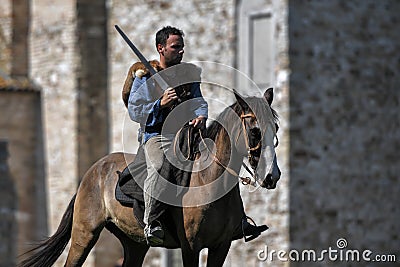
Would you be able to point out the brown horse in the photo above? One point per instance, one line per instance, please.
(211, 210)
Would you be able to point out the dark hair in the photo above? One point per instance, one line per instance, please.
(163, 34)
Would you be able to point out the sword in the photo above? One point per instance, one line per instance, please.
(160, 81)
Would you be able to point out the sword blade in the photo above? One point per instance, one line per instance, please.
(160, 81)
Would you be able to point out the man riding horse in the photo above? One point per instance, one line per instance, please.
(150, 106)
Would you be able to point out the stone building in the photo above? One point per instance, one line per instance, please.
(23, 185)
(334, 68)
(344, 126)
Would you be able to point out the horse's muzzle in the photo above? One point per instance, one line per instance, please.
(270, 182)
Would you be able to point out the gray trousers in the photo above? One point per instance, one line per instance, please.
(154, 149)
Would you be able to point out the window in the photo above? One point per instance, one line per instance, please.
(261, 49)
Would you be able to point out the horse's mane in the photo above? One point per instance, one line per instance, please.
(258, 106)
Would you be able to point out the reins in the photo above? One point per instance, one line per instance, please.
(189, 143)
(244, 180)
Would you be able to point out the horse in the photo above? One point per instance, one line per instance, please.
(206, 218)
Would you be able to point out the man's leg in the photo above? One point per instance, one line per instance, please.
(154, 149)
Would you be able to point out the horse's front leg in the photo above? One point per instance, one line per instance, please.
(216, 255)
(190, 257)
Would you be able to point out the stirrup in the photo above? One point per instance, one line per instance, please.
(259, 228)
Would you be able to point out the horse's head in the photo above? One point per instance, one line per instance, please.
(256, 137)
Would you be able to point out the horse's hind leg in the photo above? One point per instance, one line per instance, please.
(89, 220)
(82, 241)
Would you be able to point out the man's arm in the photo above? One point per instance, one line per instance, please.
(199, 106)
(142, 106)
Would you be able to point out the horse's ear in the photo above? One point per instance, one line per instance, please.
(240, 100)
(269, 95)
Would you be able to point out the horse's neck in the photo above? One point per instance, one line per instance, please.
(222, 159)
(216, 185)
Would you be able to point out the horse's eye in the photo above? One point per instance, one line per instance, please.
(255, 132)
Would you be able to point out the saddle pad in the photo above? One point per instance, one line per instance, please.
(138, 207)
(131, 180)
(124, 199)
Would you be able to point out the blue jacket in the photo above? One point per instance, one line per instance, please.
(144, 107)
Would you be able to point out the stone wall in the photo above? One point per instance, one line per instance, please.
(8, 211)
(53, 66)
(21, 11)
(21, 126)
(344, 126)
(92, 71)
(5, 37)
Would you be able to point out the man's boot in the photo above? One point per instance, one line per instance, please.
(154, 234)
(249, 231)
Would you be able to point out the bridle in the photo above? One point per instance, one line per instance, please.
(250, 153)
(250, 150)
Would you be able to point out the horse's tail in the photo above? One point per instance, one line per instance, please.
(48, 251)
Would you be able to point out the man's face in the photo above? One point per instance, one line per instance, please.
(172, 51)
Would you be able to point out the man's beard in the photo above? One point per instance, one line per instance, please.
(175, 61)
